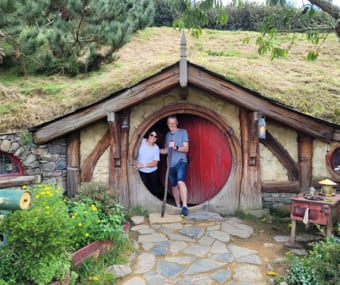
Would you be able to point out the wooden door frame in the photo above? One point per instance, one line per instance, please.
(200, 111)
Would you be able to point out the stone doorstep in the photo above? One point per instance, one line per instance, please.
(155, 218)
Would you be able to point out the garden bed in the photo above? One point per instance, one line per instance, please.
(94, 249)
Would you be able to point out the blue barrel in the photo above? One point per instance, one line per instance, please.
(12, 199)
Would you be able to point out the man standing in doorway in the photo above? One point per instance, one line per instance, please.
(178, 140)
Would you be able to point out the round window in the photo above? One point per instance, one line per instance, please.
(10, 165)
(333, 161)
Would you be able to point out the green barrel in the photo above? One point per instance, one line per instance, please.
(14, 199)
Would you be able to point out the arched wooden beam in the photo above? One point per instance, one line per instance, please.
(91, 160)
(200, 111)
(282, 155)
(233, 183)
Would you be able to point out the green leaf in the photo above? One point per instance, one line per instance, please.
(312, 55)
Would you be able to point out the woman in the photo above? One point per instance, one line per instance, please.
(147, 162)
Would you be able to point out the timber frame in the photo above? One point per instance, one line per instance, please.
(199, 78)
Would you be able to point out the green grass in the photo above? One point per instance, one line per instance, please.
(310, 87)
(94, 270)
(10, 107)
(137, 211)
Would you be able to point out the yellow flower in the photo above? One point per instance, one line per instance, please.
(37, 196)
(94, 278)
(87, 234)
(80, 224)
(272, 273)
(47, 207)
(93, 207)
(24, 187)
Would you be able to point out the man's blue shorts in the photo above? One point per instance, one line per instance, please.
(177, 172)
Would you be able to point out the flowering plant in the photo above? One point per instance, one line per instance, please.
(95, 215)
(52, 228)
(38, 239)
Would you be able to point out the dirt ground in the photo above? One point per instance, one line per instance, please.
(262, 241)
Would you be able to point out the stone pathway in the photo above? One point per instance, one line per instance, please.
(197, 250)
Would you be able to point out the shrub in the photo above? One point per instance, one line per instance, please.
(96, 215)
(320, 267)
(38, 239)
(41, 238)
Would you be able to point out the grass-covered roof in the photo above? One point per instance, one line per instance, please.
(309, 87)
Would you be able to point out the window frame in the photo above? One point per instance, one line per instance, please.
(330, 163)
(15, 161)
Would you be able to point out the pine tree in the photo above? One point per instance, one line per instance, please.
(68, 36)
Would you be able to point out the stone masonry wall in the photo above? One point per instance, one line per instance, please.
(279, 201)
(48, 161)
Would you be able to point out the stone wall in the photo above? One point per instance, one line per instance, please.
(47, 161)
(279, 201)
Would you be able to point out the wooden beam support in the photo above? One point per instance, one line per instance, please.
(305, 154)
(91, 161)
(250, 191)
(114, 141)
(121, 173)
(241, 97)
(73, 163)
(253, 141)
(151, 87)
(282, 155)
(16, 181)
(280, 187)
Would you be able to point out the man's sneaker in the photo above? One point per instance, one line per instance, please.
(184, 212)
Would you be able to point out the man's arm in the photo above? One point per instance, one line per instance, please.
(184, 148)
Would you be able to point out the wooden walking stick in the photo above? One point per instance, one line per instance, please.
(170, 149)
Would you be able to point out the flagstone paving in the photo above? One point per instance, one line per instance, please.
(196, 250)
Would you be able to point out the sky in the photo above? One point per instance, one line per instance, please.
(299, 3)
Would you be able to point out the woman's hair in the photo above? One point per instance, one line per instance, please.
(153, 130)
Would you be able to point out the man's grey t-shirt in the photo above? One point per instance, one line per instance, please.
(179, 137)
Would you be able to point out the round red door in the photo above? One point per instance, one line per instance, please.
(210, 157)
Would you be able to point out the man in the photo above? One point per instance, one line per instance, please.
(178, 140)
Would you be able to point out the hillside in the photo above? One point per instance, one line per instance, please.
(310, 87)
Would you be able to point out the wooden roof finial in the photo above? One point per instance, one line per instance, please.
(183, 68)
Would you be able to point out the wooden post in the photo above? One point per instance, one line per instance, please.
(114, 146)
(253, 140)
(293, 232)
(73, 162)
(250, 192)
(305, 153)
(121, 172)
